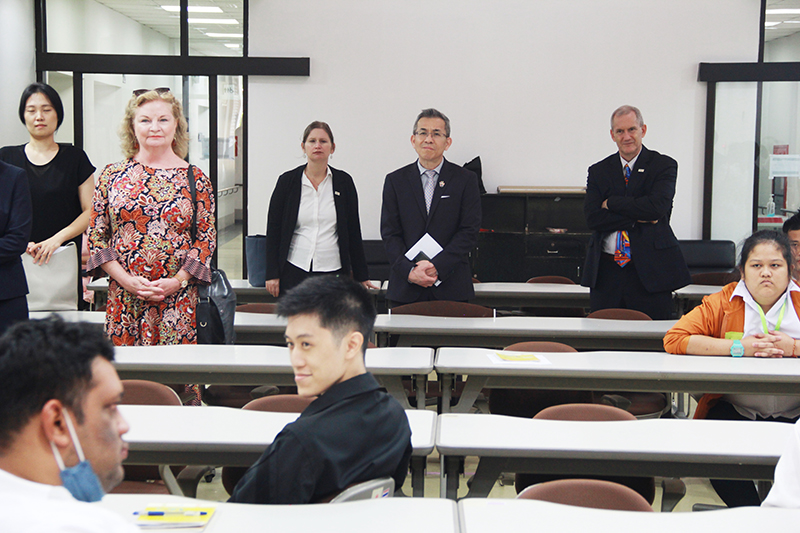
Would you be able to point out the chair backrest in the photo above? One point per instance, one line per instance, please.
(586, 412)
(594, 493)
(280, 403)
(443, 308)
(265, 308)
(708, 255)
(368, 490)
(551, 279)
(618, 314)
(540, 346)
(716, 278)
(142, 392)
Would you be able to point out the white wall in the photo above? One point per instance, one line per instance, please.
(17, 69)
(528, 86)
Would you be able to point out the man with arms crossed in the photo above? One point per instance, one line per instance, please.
(353, 431)
(431, 196)
(59, 394)
(633, 260)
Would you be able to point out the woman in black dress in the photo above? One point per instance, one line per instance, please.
(60, 176)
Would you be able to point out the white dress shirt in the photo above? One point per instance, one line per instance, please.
(315, 242)
(35, 507)
(786, 490)
(610, 240)
(750, 405)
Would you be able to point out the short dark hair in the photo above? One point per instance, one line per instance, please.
(341, 305)
(433, 113)
(317, 124)
(51, 95)
(41, 360)
(777, 238)
(792, 223)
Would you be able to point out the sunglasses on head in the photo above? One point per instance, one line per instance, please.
(159, 90)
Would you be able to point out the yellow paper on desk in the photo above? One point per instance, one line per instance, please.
(518, 357)
(173, 517)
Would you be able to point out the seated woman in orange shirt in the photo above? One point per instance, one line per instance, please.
(754, 317)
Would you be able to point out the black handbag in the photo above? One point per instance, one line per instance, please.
(216, 302)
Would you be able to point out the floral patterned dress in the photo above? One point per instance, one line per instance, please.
(142, 218)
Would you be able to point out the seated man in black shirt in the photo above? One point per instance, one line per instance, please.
(353, 431)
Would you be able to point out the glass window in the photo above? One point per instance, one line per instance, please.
(216, 30)
(112, 27)
(782, 32)
(230, 192)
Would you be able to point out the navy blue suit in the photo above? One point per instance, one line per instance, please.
(15, 230)
(655, 253)
(454, 221)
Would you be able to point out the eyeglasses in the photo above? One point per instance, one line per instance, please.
(435, 134)
(159, 90)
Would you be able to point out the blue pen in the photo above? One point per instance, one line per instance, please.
(170, 513)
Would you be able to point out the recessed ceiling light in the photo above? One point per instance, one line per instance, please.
(233, 45)
(783, 11)
(213, 21)
(791, 21)
(770, 24)
(226, 35)
(194, 9)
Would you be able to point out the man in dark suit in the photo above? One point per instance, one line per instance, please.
(15, 230)
(633, 260)
(436, 197)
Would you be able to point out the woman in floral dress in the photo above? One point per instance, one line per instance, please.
(140, 232)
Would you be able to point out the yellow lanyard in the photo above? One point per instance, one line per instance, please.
(764, 318)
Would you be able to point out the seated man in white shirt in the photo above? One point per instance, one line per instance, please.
(60, 430)
(786, 490)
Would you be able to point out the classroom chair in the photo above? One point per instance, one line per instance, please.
(577, 312)
(594, 493)
(641, 404)
(279, 403)
(672, 489)
(161, 479)
(238, 395)
(368, 490)
(716, 278)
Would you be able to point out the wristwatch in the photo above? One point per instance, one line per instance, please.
(737, 350)
(184, 282)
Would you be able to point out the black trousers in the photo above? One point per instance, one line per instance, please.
(737, 492)
(11, 311)
(292, 276)
(620, 287)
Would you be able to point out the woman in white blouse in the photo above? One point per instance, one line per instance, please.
(313, 225)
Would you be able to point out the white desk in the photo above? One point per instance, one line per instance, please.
(482, 515)
(504, 294)
(245, 293)
(258, 365)
(389, 515)
(661, 447)
(251, 328)
(580, 333)
(234, 437)
(691, 295)
(629, 371)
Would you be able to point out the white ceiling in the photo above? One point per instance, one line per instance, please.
(149, 13)
(784, 28)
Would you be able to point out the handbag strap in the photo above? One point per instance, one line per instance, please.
(190, 177)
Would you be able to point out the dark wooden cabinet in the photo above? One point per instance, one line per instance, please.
(531, 232)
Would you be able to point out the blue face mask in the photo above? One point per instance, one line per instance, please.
(80, 480)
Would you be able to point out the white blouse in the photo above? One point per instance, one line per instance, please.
(315, 242)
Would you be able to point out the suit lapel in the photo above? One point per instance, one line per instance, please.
(639, 171)
(442, 181)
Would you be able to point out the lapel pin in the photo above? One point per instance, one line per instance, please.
(441, 184)
(336, 193)
(641, 170)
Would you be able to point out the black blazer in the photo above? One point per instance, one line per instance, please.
(282, 219)
(454, 221)
(15, 230)
(654, 248)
